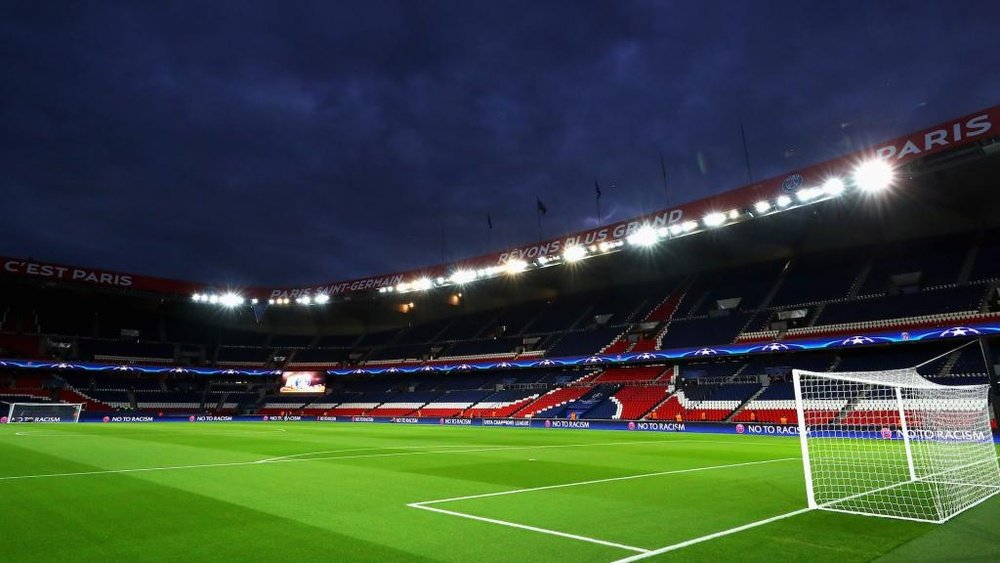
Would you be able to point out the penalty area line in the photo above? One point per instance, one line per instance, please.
(529, 528)
(716, 535)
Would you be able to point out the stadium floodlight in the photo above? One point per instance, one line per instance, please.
(834, 186)
(714, 219)
(783, 201)
(462, 277)
(543, 260)
(676, 229)
(304, 300)
(231, 299)
(894, 444)
(196, 297)
(873, 176)
(515, 266)
(321, 299)
(213, 299)
(733, 214)
(762, 206)
(270, 301)
(422, 284)
(643, 236)
(689, 226)
(808, 194)
(574, 253)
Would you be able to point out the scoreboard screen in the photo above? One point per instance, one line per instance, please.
(303, 382)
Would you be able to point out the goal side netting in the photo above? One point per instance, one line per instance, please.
(42, 412)
(894, 444)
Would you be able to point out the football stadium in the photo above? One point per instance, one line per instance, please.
(245, 314)
(778, 371)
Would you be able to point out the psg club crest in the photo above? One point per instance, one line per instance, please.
(740, 429)
(791, 184)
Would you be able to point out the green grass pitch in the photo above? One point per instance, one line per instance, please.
(343, 492)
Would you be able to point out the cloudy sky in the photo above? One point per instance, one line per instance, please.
(296, 142)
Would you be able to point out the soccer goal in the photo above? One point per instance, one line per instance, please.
(894, 444)
(44, 412)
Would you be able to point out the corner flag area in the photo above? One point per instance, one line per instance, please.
(381, 492)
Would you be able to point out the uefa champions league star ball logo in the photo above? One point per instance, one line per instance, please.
(705, 352)
(631, 426)
(960, 331)
(740, 429)
(774, 347)
(857, 341)
(548, 424)
(886, 433)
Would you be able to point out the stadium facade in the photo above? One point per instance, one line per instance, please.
(692, 315)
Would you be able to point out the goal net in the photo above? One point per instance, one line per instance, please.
(42, 412)
(894, 444)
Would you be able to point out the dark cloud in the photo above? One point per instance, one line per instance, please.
(305, 142)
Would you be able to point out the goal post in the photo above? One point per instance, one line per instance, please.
(42, 412)
(894, 444)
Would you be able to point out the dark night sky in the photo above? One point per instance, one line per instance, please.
(290, 143)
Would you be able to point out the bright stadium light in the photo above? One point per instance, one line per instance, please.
(304, 300)
(422, 284)
(783, 201)
(762, 206)
(644, 236)
(196, 297)
(463, 276)
(515, 266)
(807, 194)
(676, 229)
(230, 299)
(270, 301)
(733, 214)
(873, 176)
(713, 219)
(574, 253)
(321, 299)
(834, 186)
(213, 299)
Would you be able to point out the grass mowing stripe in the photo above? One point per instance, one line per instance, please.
(607, 480)
(325, 458)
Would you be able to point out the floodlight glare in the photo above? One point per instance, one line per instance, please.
(574, 253)
(644, 236)
(762, 206)
(713, 219)
(321, 299)
(304, 300)
(676, 229)
(783, 201)
(463, 276)
(423, 284)
(196, 297)
(873, 176)
(733, 214)
(231, 299)
(834, 186)
(515, 266)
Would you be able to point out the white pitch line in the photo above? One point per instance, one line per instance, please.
(607, 480)
(326, 458)
(708, 537)
(529, 528)
(369, 449)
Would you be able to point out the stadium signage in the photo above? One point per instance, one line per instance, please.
(406, 420)
(456, 421)
(767, 429)
(567, 424)
(514, 423)
(657, 426)
(942, 138)
(65, 273)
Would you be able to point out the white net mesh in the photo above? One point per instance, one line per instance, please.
(892, 443)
